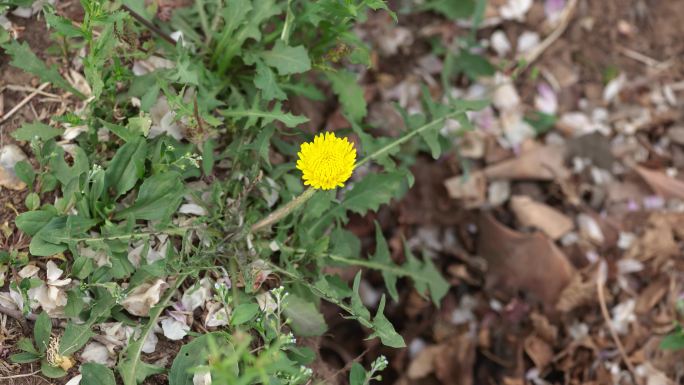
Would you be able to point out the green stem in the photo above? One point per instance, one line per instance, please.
(284, 210)
(406, 137)
(128, 367)
(318, 292)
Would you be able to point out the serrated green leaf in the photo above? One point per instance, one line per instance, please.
(350, 94)
(382, 255)
(307, 321)
(29, 131)
(384, 329)
(356, 303)
(431, 279)
(368, 194)
(265, 117)
(287, 60)
(24, 59)
(266, 81)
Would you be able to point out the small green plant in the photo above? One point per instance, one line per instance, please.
(215, 181)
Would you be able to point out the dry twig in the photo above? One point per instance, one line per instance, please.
(23, 102)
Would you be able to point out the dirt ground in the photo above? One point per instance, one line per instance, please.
(495, 327)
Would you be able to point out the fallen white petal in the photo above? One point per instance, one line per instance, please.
(75, 380)
(96, 352)
(174, 329)
(28, 271)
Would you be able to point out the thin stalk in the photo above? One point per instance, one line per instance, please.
(284, 210)
(406, 138)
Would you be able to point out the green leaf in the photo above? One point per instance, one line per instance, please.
(74, 338)
(96, 374)
(31, 222)
(266, 81)
(25, 173)
(63, 171)
(473, 65)
(350, 93)
(131, 369)
(24, 357)
(673, 341)
(127, 166)
(307, 321)
(194, 354)
(356, 303)
(26, 345)
(32, 201)
(158, 198)
(382, 255)
(41, 332)
(30, 131)
(357, 374)
(24, 59)
(266, 117)
(430, 278)
(287, 60)
(50, 371)
(383, 329)
(244, 313)
(368, 194)
(75, 303)
(453, 9)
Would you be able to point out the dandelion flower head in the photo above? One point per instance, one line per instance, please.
(327, 162)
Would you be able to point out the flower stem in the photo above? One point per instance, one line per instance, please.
(284, 210)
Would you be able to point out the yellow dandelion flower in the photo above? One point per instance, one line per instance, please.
(327, 162)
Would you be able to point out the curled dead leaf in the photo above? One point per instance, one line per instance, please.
(661, 183)
(142, 298)
(542, 163)
(541, 216)
(528, 262)
(471, 190)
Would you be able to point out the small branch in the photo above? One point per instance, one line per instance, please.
(20, 375)
(149, 25)
(565, 17)
(23, 102)
(283, 211)
(600, 283)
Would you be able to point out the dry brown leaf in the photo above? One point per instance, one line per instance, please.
(455, 365)
(539, 351)
(529, 262)
(662, 184)
(424, 363)
(472, 190)
(579, 292)
(541, 216)
(544, 328)
(542, 163)
(650, 296)
(657, 241)
(142, 298)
